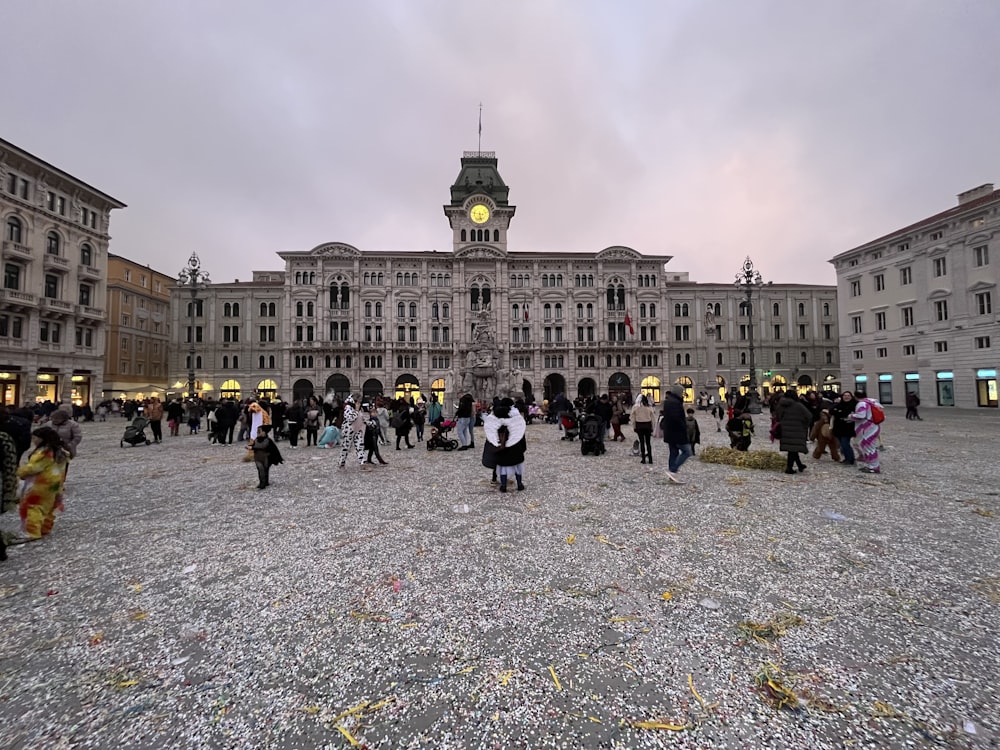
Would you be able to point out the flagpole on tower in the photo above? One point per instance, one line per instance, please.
(480, 126)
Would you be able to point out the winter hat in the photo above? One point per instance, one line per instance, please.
(677, 389)
(349, 400)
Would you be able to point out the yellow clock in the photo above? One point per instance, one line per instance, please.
(479, 213)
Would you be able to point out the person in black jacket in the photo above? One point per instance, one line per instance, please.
(673, 422)
(843, 427)
(795, 419)
(402, 422)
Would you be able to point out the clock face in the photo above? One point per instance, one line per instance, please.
(479, 213)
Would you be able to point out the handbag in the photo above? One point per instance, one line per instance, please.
(397, 422)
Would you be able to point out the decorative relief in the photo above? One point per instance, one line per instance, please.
(618, 252)
(488, 253)
(336, 250)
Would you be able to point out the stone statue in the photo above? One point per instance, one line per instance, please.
(710, 320)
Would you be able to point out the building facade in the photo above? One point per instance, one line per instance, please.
(339, 319)
(55, 262)
(137, 338)
(918, 308)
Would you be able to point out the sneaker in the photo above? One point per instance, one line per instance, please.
(789, 471)
(868, 470)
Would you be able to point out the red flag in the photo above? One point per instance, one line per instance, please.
(525, 314)
(628, 324)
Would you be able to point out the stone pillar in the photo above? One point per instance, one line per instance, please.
(712, 386)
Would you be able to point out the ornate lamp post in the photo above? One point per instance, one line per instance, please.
(748, 280)
(195, 280)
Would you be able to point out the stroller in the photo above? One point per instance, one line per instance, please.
(570, 424)
(439, 436)
(135, 433)
(590, 435)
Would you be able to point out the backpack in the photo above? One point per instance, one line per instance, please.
(878, 413)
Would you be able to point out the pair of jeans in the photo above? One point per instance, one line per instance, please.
(846, 449)
(679, 453)
(464, 430)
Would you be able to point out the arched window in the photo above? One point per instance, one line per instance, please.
(378, 309)
(718, 309)
(590, 311)
(368, 309)
(743, 358)
(271, 310)
(558, 311)
(298, 277)
(776, 309)
(399, 278)
(829, 358)
(236, 361)
(236, 309)
(826, 308)
(52, 243)
(413, 309)
(401, 310)
(652, 309)
(579, 311)
(642, 310)
(345, 294)
(14, 229)
(462, 236)
(802, 309)
(547, 311)
(445, 310)
(263, 309)
(718, 358)
(435, 310)
(270, 361)
(803, 358)
(496, 235)
(227, 310)
(260, 362)
(225, 362)
(197, 362)
(309, 309)
(86, 254)
(298, 309)
(677, 309)
(687, 360)
(777, 358)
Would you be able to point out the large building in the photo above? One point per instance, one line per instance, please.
(918, 307)
(55, 262)
(340, 319)
(138, 330)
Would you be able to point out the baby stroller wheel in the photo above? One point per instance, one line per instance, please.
(147, 442)
(451, 445)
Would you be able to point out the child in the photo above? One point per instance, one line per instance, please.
(740, 429)
(44, 475)
(372, 435)
(694, 431)
(265, 455)
(822, 434)
(505, 429)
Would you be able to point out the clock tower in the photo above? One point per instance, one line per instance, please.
(479, 213)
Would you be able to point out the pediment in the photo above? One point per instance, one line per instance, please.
(982, 285)
(618, 252)
(480, 252)
(336, 250)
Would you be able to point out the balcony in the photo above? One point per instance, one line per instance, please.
(56, 306)
(15, 298)
(55, 261)
(13, 248)
(85, 311)
(88, 272)
(12, 343)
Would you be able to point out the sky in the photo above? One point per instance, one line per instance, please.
(786, 130)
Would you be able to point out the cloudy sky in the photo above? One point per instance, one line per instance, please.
(789, 130)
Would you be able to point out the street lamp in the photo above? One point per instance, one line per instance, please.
(747, 280)
(194, 279)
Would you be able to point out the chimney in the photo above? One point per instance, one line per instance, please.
(976, 192)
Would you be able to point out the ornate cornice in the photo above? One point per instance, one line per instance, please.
(336, 250)
(480, 252)
(618, 252)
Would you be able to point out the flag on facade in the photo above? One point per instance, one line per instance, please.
(526, 315)
(628, 324)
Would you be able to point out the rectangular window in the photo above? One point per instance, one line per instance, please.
(902, 247)
(777, 332)
(298, 333)
(856, 323)
(880, 321)
(909, 350)
(51, 286)
(906, 316)
(743, 332)
(984, 303)
(62, 206)
(982, 342)
(50, 201)
(139, 345)
(905, 276)
(197, 334)
(43, 330)
(124, 344)
(937, 235)
(940, 346)
(858, 354)
(827, 331)
(880, 282)
(263, 333)
(981, 256)
(11, 276)
(882, 352)
(413, 333)
(941, 309)
(802, 331)
(856, 288)
(940, 267)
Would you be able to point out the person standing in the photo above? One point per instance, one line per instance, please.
(265, 455)
(843, 425)
(226, 416)
(694, 430)
(371, 435)
(154, 413)
(463, 418)
(353, 433)
(44, 475)
(642, 423)
(293, 420)
(69, 430)
(419, 419)
(504, 427)
(313, 420)
(675, 435)
(868, 433)
(402, 422)
(175, 412)
(794, 419)
(434, 411)
(912, 406)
